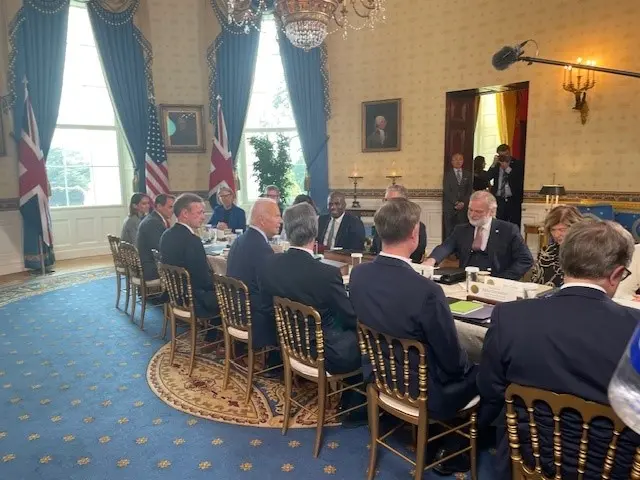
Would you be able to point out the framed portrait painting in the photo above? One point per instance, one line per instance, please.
(381, 122)
(183, 128)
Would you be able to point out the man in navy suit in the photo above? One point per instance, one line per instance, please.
(338, 228)
(246, 260)
(227, 215)
(569, 343)
(389, 296)
(486, 242)
(150, 231)
(181, 247)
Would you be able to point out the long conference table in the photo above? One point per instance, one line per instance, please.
(471, 335)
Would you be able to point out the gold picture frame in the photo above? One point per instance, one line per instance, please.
(183, 128)
(381, 125)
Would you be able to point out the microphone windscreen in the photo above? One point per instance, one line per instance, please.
(504, 58)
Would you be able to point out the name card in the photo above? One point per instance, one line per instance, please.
(495, 292)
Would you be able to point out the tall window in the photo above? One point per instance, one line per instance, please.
(487, 134)
(269, 114)
(83, 163)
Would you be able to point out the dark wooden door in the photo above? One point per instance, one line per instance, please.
(460, 126)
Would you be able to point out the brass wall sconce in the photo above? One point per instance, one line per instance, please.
(583, 82)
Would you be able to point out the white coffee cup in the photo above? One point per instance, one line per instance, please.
(530, 290)
(427, 271)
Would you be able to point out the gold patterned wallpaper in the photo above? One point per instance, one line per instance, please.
(429, 47)
(425, 49)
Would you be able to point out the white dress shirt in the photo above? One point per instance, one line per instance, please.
(582, 284)
(310, 252)
(187, 227)
(397, 257)
(507, 187)
(458, 174)
(486, 231)
(330, 242)
(261, 232)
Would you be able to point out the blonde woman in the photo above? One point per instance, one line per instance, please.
(546, 269)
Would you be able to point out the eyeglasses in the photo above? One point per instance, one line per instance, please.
(625, 274)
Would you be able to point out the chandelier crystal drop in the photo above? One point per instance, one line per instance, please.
(308, 22)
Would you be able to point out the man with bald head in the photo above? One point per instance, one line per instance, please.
(246, 260)
(339, 229)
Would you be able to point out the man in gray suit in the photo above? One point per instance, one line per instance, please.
(149, 232)
(456, 190)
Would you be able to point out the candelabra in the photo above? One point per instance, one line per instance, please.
(580, 87)
(354, 178)
(393, 177)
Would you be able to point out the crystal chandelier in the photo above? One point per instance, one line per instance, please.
(308, 22)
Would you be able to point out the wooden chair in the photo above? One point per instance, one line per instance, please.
(384, 393)
(177, 283)
(235, 310)
(165, 308)
(298, 326)
(121, 270)
(145, 288)
(558, 403)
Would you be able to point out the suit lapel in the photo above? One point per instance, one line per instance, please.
(341, 230)
(494, 231)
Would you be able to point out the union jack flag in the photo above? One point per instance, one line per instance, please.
(33, 172)
(155, 165)
(221, 170)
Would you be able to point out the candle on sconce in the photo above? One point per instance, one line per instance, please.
(355, 171)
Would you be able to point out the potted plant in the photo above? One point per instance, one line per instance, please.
(273, 164)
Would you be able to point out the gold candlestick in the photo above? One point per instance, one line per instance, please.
(393, 177)
(355, 177)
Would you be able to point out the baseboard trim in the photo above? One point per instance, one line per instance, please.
(95, 251)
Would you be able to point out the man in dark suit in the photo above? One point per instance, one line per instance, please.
(298, 276)
(181, 247)
(569, 343)
(457, 186)
(507, 174)
(391, 297)
(486, 242)
(338, 228)
(398, 191)
(149, 232)
(246, 260)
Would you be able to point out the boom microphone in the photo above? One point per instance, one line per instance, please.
(507, 56)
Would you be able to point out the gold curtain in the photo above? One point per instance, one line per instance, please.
(506, 107)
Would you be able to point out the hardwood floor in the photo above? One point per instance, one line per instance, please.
(61, 267)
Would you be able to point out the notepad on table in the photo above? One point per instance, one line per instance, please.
(463, 307)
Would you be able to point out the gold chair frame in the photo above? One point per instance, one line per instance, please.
(120, 268)
(176, 281)
(137, 283)
(235, 310)
(558, 403)
(298, 359)
(412, 410)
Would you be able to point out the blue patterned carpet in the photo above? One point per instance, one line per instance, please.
(76, 404)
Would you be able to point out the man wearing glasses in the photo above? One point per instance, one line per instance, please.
(227, 215)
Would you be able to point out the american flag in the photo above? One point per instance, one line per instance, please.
(33, 172)
(156, 169)
(221, 170)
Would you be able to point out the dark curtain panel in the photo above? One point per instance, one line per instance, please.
(307, 84)
(38, 38)
(124, 66)
(232, 60)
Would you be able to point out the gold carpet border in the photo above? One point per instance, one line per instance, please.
(40, 285)
(201, 395)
